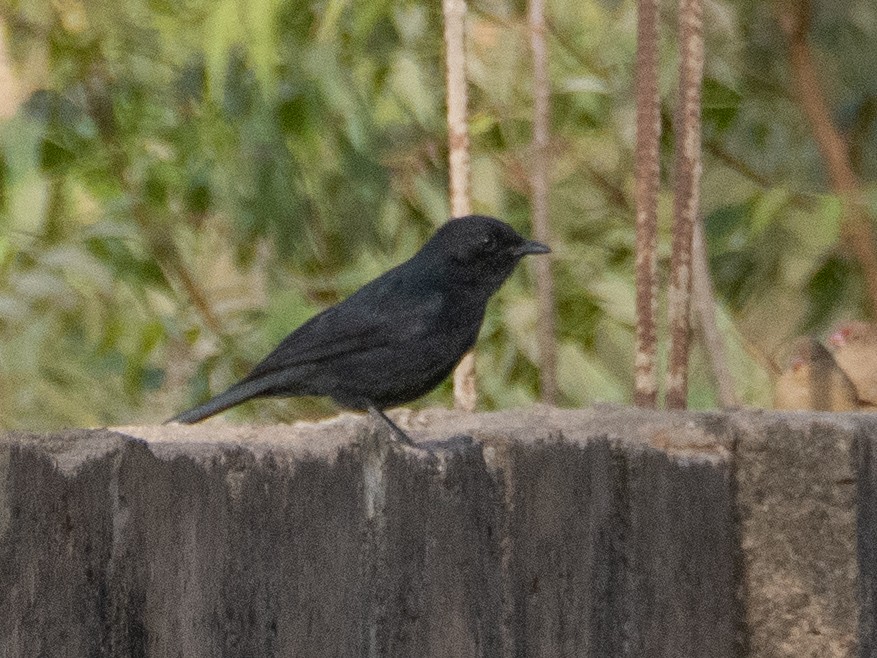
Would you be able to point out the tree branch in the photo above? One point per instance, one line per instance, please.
(686, 201)
(704, 302)
(465, 395)
(647, 174)
(856, 230)
(539, 184)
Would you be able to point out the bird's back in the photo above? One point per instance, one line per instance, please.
(391, 342)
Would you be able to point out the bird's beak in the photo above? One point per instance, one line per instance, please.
(531, 247)
(837, 339)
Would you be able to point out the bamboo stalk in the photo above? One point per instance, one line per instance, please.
(465, 394)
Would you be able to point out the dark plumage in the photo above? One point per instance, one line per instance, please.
(397, 337)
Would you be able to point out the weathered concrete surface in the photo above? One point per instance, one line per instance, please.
(554, 533)
(866, 491)
(797, 505)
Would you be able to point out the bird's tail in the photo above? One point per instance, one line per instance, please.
(238, 393)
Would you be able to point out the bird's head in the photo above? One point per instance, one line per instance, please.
(849, 332)
(481, 251)
(800, 356)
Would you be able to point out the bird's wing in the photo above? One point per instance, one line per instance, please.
(380, 314)
(337, 331)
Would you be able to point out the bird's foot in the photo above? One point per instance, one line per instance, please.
(397, 431)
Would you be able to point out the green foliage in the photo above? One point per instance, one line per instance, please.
(185, 182)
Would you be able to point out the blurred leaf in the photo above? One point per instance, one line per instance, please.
(726, 225)
(240, 88)
(191, 82)
(287, 311)
(765, 209)
(581, 380)
(734, 276)
(827, 288)
(118, 256)
(720, 104)
(823, 231)
(198, 196)
(54, 156)
(151, 379)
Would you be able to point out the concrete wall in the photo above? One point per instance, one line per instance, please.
(554, 533)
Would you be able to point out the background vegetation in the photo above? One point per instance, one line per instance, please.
(182, 183)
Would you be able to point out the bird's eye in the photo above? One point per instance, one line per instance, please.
(488, 244)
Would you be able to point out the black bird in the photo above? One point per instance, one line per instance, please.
(397, 337)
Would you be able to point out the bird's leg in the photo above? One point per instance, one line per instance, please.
(378, 414)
